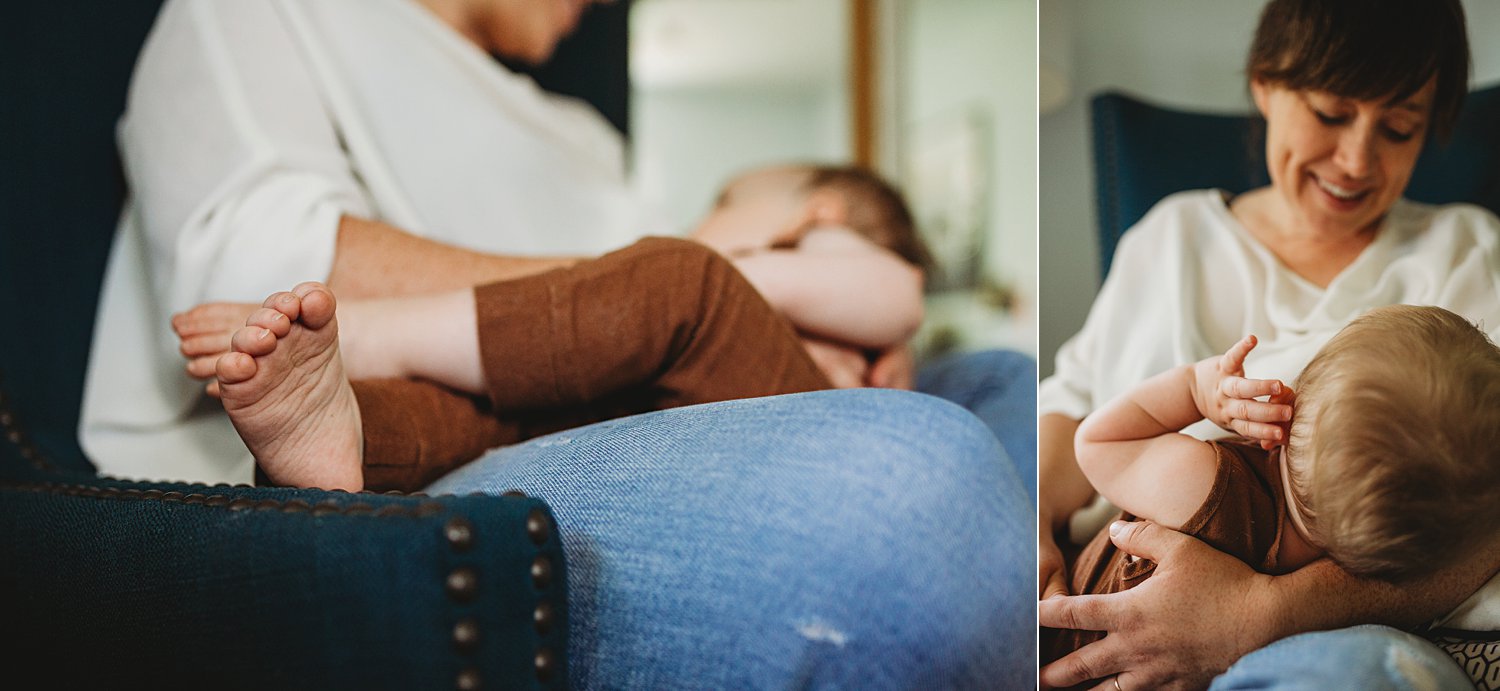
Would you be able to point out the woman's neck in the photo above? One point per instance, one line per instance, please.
(1317, 257)
(460, 15)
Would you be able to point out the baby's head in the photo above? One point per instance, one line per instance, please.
(1394, 451)
(775, 206)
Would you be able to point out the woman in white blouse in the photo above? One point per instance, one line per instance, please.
(1349, 94)
(376, 145)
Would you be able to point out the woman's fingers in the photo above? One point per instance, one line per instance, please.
(1084, 612)
(1097, 660)
(1051, 574)
(1056, 585)
(1147, 540)
(1122, 681)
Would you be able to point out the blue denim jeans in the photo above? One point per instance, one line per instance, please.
(999, 386)
(861, 539)
(1372, 658)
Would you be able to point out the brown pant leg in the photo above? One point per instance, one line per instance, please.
(417, 431)
(659, 324)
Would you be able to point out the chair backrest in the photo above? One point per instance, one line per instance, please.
(64, 71)
(64, 68)
(1144, 152)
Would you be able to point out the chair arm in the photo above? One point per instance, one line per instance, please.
(268, 588)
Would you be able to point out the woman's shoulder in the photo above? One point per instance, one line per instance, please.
(1444, 223)
(1181, 220)
(1188, 202)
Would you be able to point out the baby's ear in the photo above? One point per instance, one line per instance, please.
(825, 208)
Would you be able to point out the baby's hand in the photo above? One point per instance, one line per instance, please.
(1224, 396)
(204, 332)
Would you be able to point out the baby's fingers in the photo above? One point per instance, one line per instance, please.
(1234, 358)
(1257, 411)
(1240, 387)
(1258, 431)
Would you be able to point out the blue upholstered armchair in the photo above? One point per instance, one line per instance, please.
(1144, 152)
(108, 583)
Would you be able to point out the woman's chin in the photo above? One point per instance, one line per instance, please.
(1327, 214)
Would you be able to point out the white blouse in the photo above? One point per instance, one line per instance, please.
(251, 127)
(1189, 281)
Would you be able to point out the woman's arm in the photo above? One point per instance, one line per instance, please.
(1061, 490)
(841, 287)
(240, 181)
(376, 260)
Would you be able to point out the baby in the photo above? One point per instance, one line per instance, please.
(659, 324)
(816, 210)
(809, 197)
(1397, 417)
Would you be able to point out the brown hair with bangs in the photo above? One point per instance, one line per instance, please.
(1394, 448)
(1367, 50)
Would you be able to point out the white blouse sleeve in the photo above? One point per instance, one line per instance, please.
(1140, 322)
(1072, 388)
(237, 176)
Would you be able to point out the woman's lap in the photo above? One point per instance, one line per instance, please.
(1377, 658)
(998, 386)
(868, 538)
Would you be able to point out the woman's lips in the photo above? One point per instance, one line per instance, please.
(1339, 196)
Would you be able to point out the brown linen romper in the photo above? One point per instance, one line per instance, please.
(659, 324)
(1242, 516)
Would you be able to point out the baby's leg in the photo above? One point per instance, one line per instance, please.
(659, 324)
(429, 336)
(416, 431)
(284, 388)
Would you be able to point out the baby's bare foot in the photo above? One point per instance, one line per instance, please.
(284, 388)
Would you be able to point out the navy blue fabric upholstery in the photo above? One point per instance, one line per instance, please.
(108, 583)
(111, 584)
(1144, 152)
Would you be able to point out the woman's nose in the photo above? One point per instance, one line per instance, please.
(1356, 152)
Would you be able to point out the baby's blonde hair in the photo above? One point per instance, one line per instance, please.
(1394, 451)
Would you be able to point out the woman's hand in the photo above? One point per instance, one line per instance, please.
(1169, 632)
(1052, 576)
(1224, 396)
(1062, 489)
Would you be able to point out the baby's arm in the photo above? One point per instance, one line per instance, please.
(841, 287)
(1132, 454)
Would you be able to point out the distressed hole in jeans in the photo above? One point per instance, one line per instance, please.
(1403, 665)
(559, 441)
(819, 631)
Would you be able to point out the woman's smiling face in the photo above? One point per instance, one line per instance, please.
(1338, 164)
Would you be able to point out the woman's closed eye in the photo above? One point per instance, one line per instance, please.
(1395, 133)
(1329, 118)
(1398, 135)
